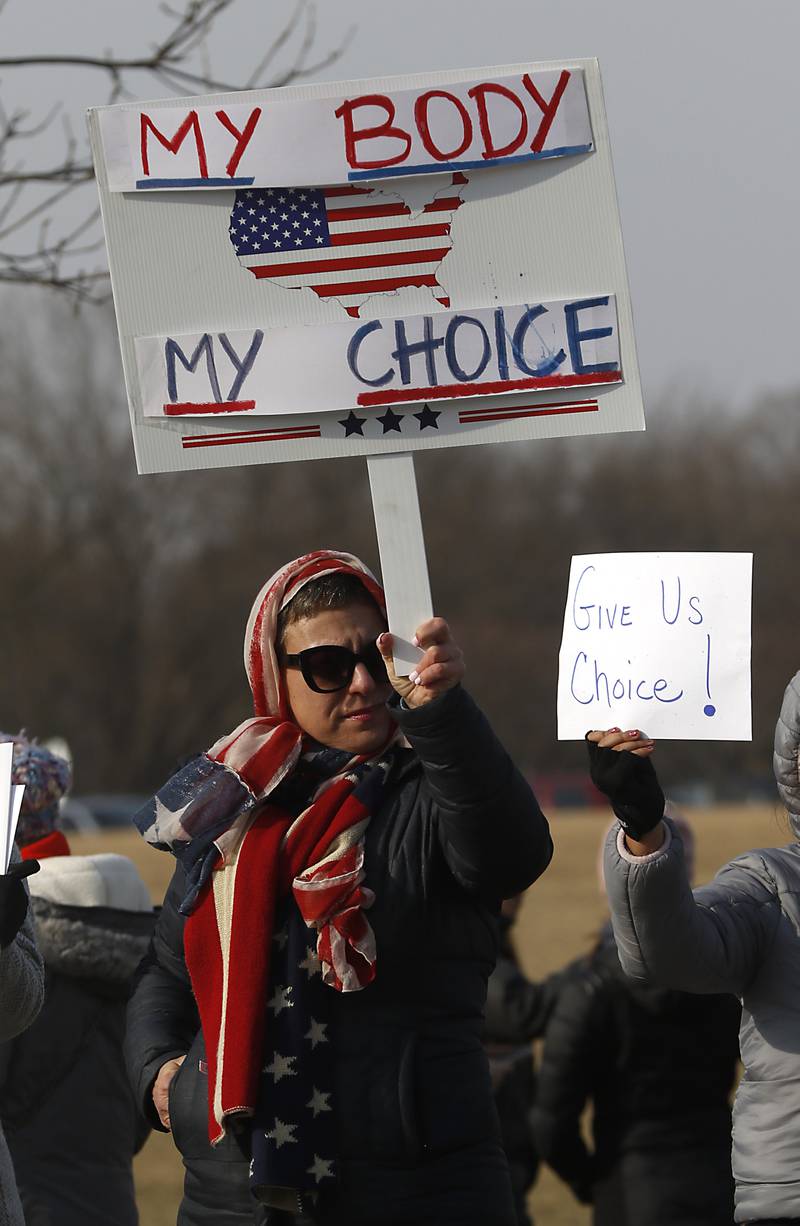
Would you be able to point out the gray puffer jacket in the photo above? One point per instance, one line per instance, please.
(21, 996)
(67, 1108)
(739, 934)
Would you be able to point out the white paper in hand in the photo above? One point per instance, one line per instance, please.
(659, 641)
(17, 792)
(10, 804)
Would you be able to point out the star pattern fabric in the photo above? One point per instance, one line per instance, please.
(189, 813)
(293, 1137)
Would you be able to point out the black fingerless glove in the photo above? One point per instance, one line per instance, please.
(632, 786)
(14, 899)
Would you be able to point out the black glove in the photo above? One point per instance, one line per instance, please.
(632, 786)
(14, 899)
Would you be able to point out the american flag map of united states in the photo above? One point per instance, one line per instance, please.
(345, 243)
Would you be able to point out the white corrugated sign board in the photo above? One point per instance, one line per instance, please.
(369, 267)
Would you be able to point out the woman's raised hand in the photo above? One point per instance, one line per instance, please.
(440, 669)
(620, 767)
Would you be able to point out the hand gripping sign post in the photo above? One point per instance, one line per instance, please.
(370, 268)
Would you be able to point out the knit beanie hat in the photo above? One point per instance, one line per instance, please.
(46, 778)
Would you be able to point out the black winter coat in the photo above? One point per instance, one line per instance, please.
(70, 1118)
(458, 830)
(659, 1067)
(516, 1012)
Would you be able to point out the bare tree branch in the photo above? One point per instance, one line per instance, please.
(277, 44)
(179, 63)
(66, 173)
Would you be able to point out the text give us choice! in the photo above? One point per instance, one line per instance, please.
(591, 683)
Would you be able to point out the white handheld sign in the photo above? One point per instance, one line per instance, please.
(660, 642)
(10, 804)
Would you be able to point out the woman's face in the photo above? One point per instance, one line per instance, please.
(356, 718)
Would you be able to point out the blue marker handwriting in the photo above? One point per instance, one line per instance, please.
(592, 682)
(174, 354)
(588, 614)
(547, 345)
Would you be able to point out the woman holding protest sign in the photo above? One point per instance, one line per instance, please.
(739, 934)
(314, 994)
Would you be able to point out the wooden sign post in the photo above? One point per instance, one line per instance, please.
(398, 526)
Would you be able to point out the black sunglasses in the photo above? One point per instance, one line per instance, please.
(329, 668)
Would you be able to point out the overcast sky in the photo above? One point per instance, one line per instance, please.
(702, 101)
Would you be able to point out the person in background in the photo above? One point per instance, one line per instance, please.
(739, 934)
(658, 1067)
(21, 996)
(517, 1009)
(309, 1024)
(65, 1100)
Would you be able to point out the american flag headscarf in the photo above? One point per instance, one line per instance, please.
(260, 656)
(262, 816)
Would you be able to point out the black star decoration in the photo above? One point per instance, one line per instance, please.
(391, 421)
(352, 424)
(428, 417)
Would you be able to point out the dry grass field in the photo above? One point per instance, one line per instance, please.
(558, 919)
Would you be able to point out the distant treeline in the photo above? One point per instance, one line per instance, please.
(123, 599)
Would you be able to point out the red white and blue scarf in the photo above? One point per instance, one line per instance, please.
(263, 818)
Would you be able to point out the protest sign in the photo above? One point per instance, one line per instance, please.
(10, 804)
(475, 293)
(658, 642)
